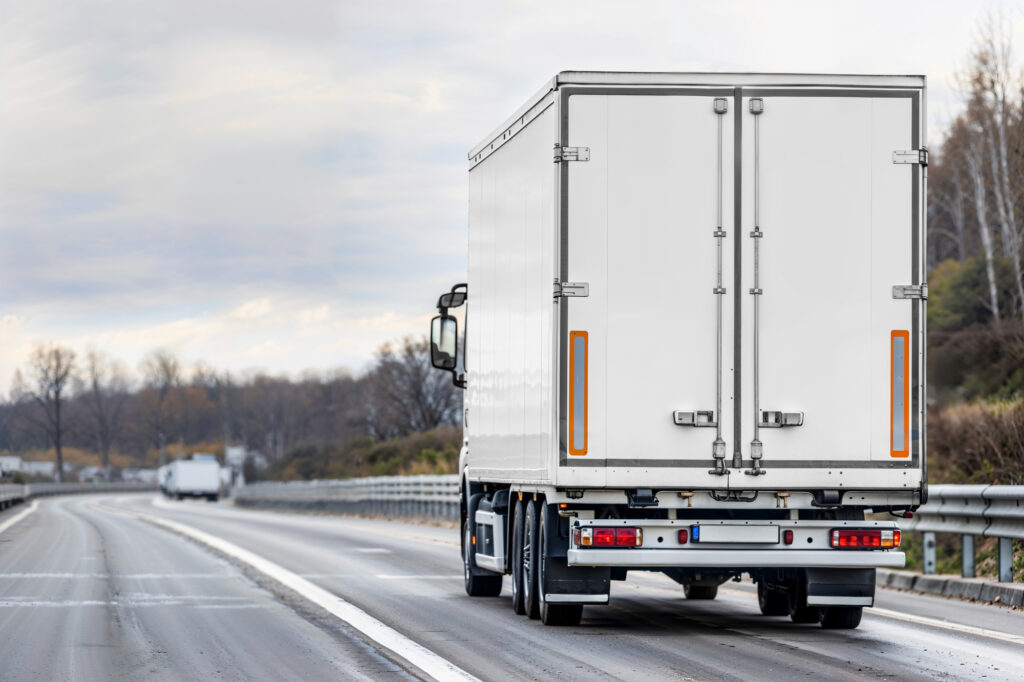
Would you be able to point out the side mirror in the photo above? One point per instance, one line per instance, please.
(444, 342)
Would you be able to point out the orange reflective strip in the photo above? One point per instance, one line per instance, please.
(899, 387)
(578, 399)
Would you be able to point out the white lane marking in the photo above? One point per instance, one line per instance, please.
(10, 603)
(383, 576)
(373, 550)
(945, 625)
(426, 660)
(19, 516)
(923, 620)
(118, 576)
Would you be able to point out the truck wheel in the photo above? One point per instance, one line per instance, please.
(530, 556)
(179, 497)
(211, 498)
(488, 584)
(518, 523)
(841, 617)
(799, 611)
(772, 602)
(700, 591)
(553, 614)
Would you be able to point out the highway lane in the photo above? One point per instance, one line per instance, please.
(408, 576)
(90, 595)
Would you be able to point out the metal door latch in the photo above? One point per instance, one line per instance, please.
(918, 291)
(911, 156)
(772, 419)
(696, 418)
(571, 153)
(572, 289)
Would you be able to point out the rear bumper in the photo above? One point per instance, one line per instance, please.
(735, 558)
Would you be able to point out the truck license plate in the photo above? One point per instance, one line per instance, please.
(739, 534)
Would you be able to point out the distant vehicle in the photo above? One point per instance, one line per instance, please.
(695, 341)
(193, 478)
(162, 475)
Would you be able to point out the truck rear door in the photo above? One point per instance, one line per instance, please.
(679, 367)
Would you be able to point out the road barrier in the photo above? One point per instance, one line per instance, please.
(426, 497)
(988, 511)
(11, 493)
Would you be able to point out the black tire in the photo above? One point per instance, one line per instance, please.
(179, 497)
(518, 524)
(531, 557)
(841, 617)
(772, 602)
(486, 585)
(802, 613)
(700, 591)
(211, 498)
(553, 614)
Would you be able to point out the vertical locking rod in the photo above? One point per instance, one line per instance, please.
(721, 105)
(756, 447)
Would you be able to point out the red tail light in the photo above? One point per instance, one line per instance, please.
(864, 539)
(608, 537)
(684, 535)
(787, 537)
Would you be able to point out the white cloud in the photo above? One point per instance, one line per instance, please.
(251, 310)
(180, 173)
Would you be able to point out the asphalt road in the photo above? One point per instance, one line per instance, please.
(89, 589)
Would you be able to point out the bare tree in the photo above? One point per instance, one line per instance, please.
(104, 391)
(52, 369)
(161, 373)
(973, 157)
(406, 394)
(992, 80)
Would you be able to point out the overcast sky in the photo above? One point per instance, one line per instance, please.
(281, 185)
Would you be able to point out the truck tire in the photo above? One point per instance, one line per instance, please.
(516, 560)
(212, 498)
(841, 617)
(553, 614)
(488, 584)
(772, 602)
(530, 559)
(179, 497)
(700, 591)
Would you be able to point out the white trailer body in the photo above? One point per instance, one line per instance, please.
(701, 292)
(194, 478)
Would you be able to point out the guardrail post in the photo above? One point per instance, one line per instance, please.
(968, 552)
(929, 553)
(1005, 560)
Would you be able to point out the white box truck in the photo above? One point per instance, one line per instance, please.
(194, 478)
(694, 339)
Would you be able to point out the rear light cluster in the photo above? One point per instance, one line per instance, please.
(864, 539)
(608, 537)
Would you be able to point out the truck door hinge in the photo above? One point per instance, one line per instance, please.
(572, 289)
(571, 153)
(911, 156)
(912, 291)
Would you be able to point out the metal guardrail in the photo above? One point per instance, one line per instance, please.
(988, 511)
(430, 497)
(11, 493)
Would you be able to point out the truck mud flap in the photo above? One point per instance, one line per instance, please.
(840, 586)
(569, 584)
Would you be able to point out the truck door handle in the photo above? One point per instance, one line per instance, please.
(695, 418)
(773, 419)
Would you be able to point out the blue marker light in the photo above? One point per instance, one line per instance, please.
(695, 533)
